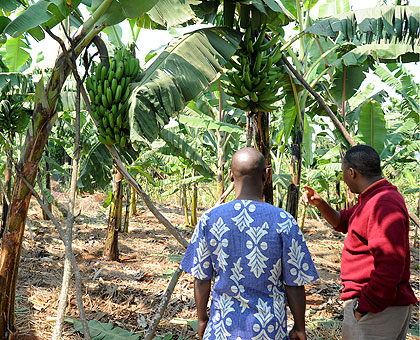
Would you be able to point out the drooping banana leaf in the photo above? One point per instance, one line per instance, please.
(402, 81)
(208, 123)
(386, 33)
(172, 12)
(405, 154)
(333, 7)
(96, 167)
(372, 125)
(181, 148)
(43, 12)
(122, 9)
(185, 68)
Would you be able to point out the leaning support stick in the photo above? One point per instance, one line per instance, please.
(162, 307)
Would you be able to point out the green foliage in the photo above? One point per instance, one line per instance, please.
(372, 126)
(120, 10)
(16, 55)
(383, 33)
(47, 13)
(178, 75)
(181, 148)
(172, 12)
(104, 331)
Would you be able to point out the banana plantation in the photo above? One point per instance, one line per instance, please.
(111, 150)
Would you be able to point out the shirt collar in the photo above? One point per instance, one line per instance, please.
(370, 187)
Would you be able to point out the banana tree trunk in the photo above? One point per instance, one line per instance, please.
(6, 194)
(47, 186)
(15, 224)
(133, 201)
(262, 143)
(292, 200)
(337, 194)
(221, 151)
(127, 209)
(194, 205)
(111, 252)
(35, 141)
(185, 203)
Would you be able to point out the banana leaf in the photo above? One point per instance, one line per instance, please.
(181, 148)
(185, 68)
(402, 81)
(44, 12)
(17, 56)
(9, 5)
(372, 125)
(209, 124)
(385, 33)
(172, 12)
(120, 10)
(405, 154)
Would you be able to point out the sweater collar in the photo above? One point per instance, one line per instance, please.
(371, 187)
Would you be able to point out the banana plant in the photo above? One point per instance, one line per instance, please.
(385, 33)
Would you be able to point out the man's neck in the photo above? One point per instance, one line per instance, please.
(247, 193)
(369, 181)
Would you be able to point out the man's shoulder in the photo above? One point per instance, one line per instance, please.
(250, 206)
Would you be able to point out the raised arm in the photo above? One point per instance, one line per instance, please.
(201, 296)
(297, 304)
(310, 196)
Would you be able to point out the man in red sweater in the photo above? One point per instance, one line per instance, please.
(375, 265)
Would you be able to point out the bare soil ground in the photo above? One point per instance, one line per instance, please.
(127, 293)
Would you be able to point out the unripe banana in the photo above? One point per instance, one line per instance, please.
(260, 39)
(103, 140)
(118, 93)
(123, 141)
(126, 94)
(119, 72)
(100, 90)
(98, 71)
(119, 121)
(109, 96)
(247, 79)
(104, 72)
(257, 64)
(104, 101)
(254, 97)
(105, 123)
(91, 95)
(114, 85)
(110, 140)
(270, 44)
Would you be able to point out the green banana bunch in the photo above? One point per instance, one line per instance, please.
(109, 90)
(12, 116)
(255, 73)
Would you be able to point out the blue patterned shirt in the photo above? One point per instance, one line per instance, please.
(251, 249)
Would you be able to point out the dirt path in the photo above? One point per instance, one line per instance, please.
(127, 293)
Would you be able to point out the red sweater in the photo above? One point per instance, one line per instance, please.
(375, 264)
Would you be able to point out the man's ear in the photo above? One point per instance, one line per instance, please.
(230, 174)
(266, 174)
(352, 173)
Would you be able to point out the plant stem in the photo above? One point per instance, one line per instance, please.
(321, 101)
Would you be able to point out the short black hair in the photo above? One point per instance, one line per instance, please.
(364, 159)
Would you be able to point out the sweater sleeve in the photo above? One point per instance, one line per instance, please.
(387, 242)
(344, 220)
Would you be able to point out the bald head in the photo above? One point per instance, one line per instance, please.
(248, 162)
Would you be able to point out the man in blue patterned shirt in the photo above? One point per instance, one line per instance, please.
(258, 258)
